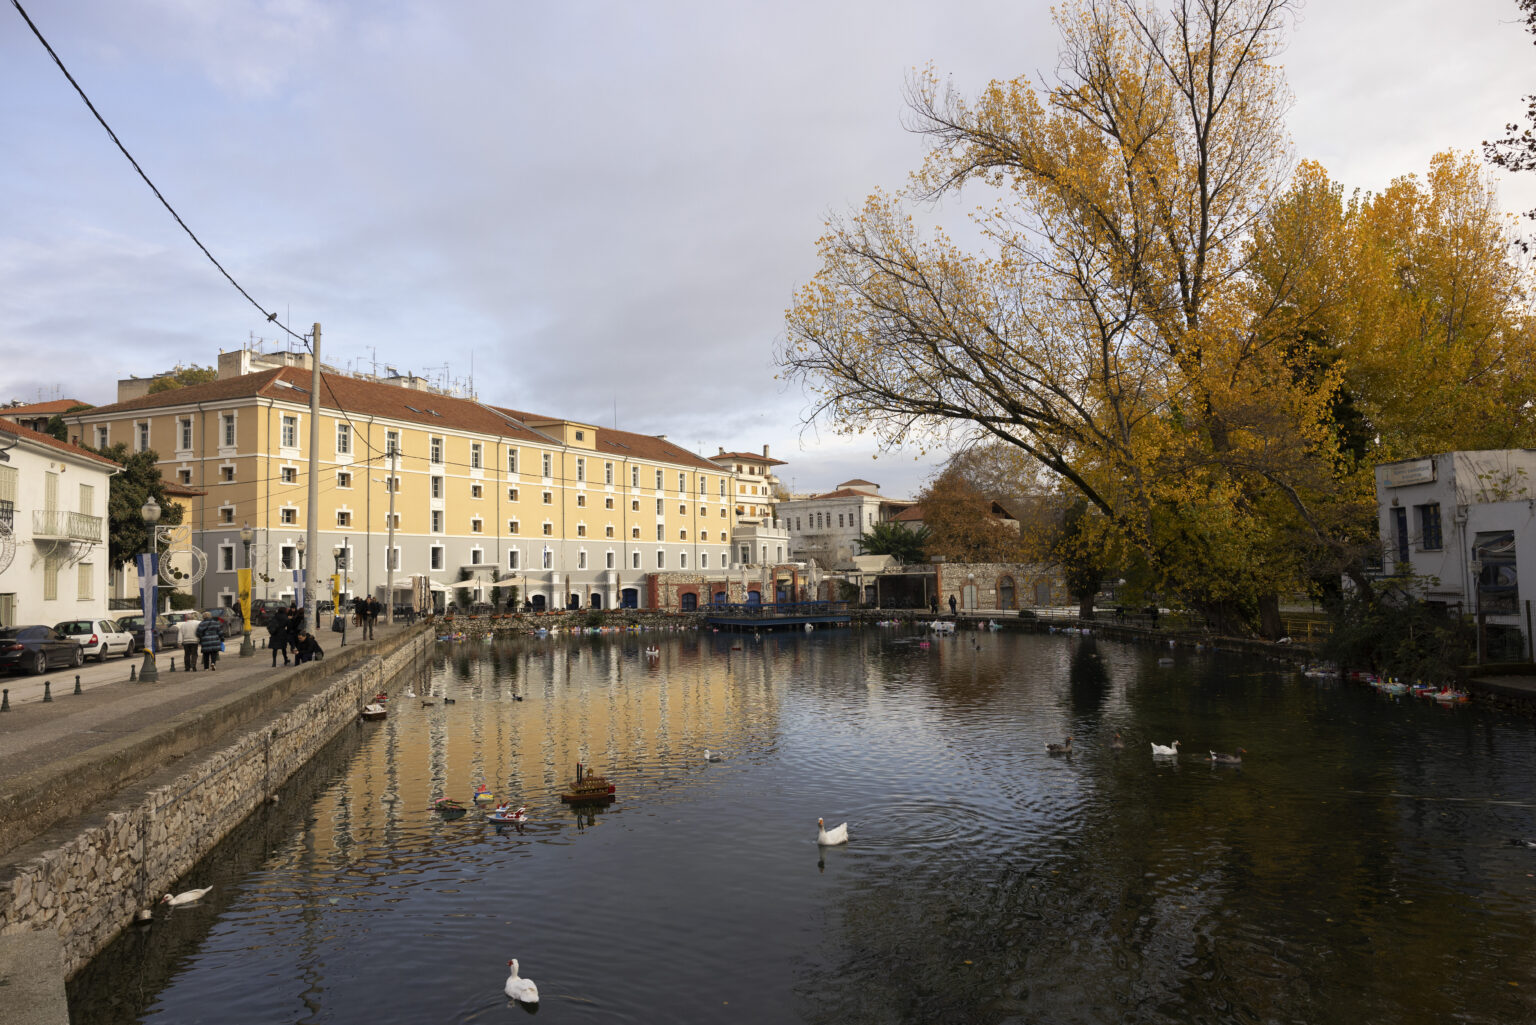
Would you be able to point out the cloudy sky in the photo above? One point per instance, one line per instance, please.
(598, 209)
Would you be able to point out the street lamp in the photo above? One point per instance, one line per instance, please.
(148, 672)
(247, 649)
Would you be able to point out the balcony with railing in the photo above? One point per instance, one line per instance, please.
(57, 524)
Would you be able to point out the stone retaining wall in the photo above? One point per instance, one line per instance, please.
(91, 887)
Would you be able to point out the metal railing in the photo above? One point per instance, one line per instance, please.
(73, 525)
(769, 609)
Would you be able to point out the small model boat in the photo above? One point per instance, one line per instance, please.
(588, 788)
(374, 712)
(448, 808)
(505, 816)
(483, 794)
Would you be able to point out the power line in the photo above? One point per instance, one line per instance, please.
(271, 317)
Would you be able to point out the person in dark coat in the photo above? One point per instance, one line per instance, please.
(371, 616)
(277, 632)
(210, 638)
(307, 649)
(951, 605)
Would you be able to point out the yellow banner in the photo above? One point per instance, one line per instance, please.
(335, 589)
(243, 589)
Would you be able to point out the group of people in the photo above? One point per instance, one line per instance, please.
(205, 636)
(365, 613)
(287, 628)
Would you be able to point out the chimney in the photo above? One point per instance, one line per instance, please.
(765, 451)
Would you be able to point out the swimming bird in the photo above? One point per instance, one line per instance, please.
(1518, 842)
(1159, 749)
(176, 900)
(520, 989)
(711, 756)
(1118, 744)
(1060, 749)
(833, 837)
(1220, 758)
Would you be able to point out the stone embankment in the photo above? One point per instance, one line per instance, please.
(200, 774)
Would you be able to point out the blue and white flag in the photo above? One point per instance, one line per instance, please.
(298, 586)
(149, 578)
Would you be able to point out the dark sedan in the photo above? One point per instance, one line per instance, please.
(133, 623)
(229, 620)
(37, 649)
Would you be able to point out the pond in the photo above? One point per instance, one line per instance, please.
(1357, 867)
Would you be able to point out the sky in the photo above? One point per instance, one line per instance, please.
(595, 210)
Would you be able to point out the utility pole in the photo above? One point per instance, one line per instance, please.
(389, 546)
(313, 532)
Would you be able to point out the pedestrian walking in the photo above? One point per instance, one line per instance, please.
(371, 617)
(359, 611)
(210, 638)
(278, 636)
(951, 605)
(186, 636)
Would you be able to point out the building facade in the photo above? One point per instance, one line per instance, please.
(53, 534)
(428, 485)
(826, 527)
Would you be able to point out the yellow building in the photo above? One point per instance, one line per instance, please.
(570, 513)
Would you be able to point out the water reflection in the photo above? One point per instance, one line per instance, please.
(1354, 868)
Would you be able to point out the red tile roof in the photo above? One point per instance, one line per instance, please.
(40, 408)
(37, 437)
(754, 456)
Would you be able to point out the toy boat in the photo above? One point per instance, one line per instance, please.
(504, 816)
(448, 808)
(374, 712)
(483, 795)
(588, 788)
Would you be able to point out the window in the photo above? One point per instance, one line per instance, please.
(290, 432)
(658, 480)
(101, 442)
(549, 498)
(608, 502)
(185, 433)
(634, 532)
(701, 483)
(1400, 532)
(512, 494)
(392, 521)
(512, 559)
(797, 523)
(581, 530)
(661, 559)
(682, 483)
(703, 535)
(549, 559)
(607, 473)
(548, 465)
(514, 527)
(288, 557)
(722, 487)
(343, 439)
(343, 518)
(682, 535)
(476, 461)
(226, 473)
(391, 484)
(703, 560)
(87, 499)
(476, 525)
(437, 521)
(511, 460)
(435, 451)
(609, 560)
(437, 487)
(682, 561)
(609, 530)
(634, 505)
(581, 468)
(581, 501)
(581, 435)
(634, 471)
(1429, 526)
(839, 519)
(437, 557)
(226, 558)
(476, 491)
(85, 576)
(682, 510)
(549, 529)
(661, 532)
(475, 556)
(344, 479)
(143, 437)
(581, 559)
(229, 430)
(660, 509)
(636, 560)
(287, 474)
(392, 558)
(50, 578)
(391, 443)
(290, 515)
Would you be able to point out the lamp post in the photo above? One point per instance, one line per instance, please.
(148, 672)
(247, 649)
(340, 555)
(304, 591)
(1477, 604)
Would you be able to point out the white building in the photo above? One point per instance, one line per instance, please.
(756, 487)
(53, 528)
(827, 527)
(1464, 523)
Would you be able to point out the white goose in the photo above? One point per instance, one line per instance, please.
(833, 837)
(711, 756)
(520, 989)
(176, 900)
(1158, 750)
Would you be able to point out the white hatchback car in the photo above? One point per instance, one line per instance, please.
(97, 638)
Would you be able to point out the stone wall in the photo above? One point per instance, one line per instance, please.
(91, 887)
(1030, 583)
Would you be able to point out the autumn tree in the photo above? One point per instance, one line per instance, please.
(962, 525)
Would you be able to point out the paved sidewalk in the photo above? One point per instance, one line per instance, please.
(38, 739)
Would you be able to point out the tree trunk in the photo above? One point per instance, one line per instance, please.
(1270, 625)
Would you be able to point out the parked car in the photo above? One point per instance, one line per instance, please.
(261, 608)
(165, 631)
(229, 619)
(97, 638)
(36, 649)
